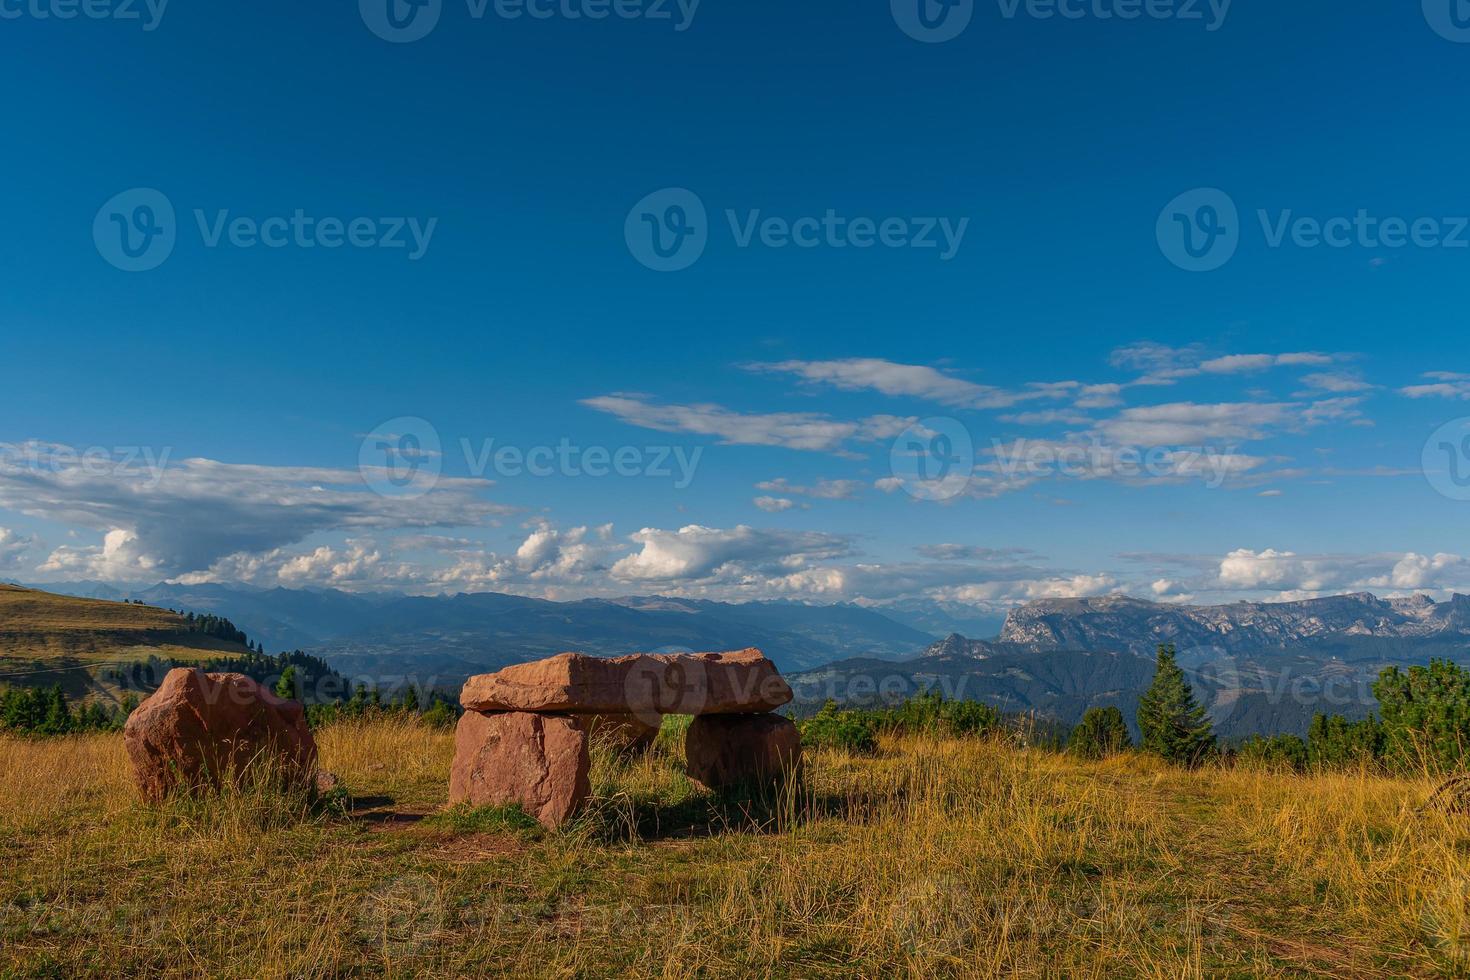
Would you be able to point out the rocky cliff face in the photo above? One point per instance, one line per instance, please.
(1123, 623)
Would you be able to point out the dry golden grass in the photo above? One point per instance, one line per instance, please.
(54, 639)
(963, 858)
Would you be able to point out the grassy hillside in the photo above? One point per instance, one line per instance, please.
(934, 858)
(48, 639)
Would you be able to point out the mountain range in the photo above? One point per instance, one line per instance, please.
(448, 638)
(1259, 667)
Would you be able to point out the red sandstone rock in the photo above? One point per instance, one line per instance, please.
(725, 750)
(198, 730)
(740, 682)
(538, 761)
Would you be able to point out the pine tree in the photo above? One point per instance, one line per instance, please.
(1173, 723)
(286, 686)
(1102, 732)
(58, 720)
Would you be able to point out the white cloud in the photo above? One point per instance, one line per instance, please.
(15, 548)
(1046, 588)
(695, 552)
(889, 378)
(1245, 363)
(774, 505)
(820, 490)
(1270, 569)
(1337, 382)
(1445, 384)
(185, 516)
(792, 430)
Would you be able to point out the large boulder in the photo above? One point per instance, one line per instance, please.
(648, 685)
(201, 731)
(538, 761)
(730, 750)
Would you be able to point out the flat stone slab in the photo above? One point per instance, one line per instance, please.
(738, 682)
(538, 761)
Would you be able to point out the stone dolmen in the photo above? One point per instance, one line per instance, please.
(198, 731)
(526, 729)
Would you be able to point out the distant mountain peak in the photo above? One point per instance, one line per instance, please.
(1119, 622)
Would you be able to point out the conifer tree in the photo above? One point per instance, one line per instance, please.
(286, 686)
(1172, 722)
(1102, 732)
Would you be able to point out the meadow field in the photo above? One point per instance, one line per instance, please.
(973, 858)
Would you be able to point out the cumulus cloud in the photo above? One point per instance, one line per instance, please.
(695, 552)
(774, 505)
(160, 521)
(1285, 571)
(1027, 589)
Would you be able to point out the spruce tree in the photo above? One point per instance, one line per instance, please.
(1102, 732)
(1173, 723)
(286, 686)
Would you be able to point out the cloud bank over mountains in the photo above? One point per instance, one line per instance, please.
(131, 517)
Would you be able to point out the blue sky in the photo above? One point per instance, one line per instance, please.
(497, 172)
